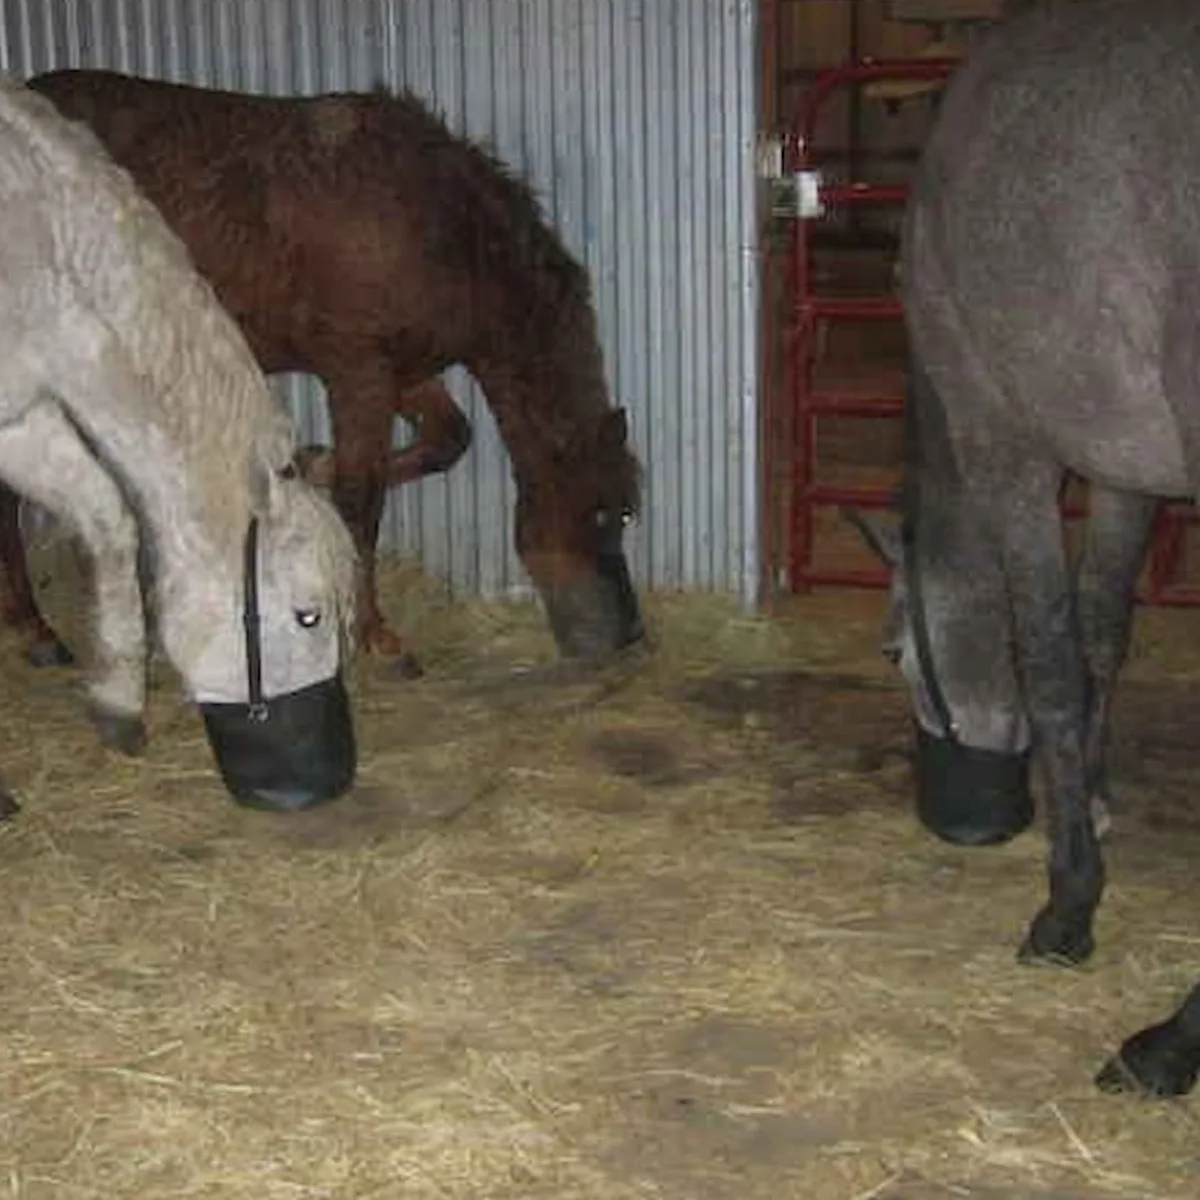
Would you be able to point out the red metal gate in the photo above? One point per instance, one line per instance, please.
(1161, 585)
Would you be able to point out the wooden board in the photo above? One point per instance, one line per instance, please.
(934, 12)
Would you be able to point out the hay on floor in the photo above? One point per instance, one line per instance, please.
(667, 932)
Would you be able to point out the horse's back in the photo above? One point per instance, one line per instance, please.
(1051, 231)
(321, 218)
(68, 217)
(45, 156)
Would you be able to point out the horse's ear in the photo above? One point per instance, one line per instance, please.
(882, 536)
(615, 428)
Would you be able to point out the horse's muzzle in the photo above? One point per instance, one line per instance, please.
(592, 621)
(970, 796)
(613, 570)
(297, 751)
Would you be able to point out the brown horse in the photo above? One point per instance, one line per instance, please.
(356, 238)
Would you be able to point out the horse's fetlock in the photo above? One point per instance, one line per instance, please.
(119, 730)
(119, 687)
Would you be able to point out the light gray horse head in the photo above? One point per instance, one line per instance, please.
(127, 385)
(305, 574)
(262, 654)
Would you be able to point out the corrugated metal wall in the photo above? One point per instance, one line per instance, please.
(635, 121)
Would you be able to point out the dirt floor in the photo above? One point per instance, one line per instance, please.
(672, 932)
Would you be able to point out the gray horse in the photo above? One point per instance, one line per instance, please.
(126, 388)
(1050, 274)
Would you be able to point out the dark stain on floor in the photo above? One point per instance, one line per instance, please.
(821, 730)
(649, 758)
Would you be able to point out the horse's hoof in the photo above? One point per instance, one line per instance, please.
(49, 654)
(383, 644)
(406, 667)
(1051, 941)
(119, 731)
(1154, 1062)
(9, 807)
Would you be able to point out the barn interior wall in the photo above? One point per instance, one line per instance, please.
(635, 121)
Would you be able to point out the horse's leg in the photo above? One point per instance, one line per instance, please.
(10, 543)
(1162, 1060)
(443, 433)
(43, 457)
(1050, 657)
(43, 648)
(1115, 538)
(362, 405)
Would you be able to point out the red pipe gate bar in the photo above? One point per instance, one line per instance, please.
(810, 309)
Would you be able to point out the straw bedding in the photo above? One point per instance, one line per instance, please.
(667, 933)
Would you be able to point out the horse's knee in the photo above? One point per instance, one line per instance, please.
(120, 626)
(442, 440)
(113, 541)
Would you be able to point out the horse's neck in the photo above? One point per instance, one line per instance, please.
(145, 359)
(543, 400)
(196, 524)
(184, 460)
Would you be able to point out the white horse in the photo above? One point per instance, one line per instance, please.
(124, 385)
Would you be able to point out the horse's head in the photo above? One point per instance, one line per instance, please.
(261, 647)
(571, 522)
(950, 640)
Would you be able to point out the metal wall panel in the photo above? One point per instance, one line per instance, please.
(634, 119)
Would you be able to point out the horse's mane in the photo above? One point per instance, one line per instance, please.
(504, 234)
(504, 231)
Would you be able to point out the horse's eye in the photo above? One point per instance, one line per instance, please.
(288, 472)
(604, 518)
(308, 618)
